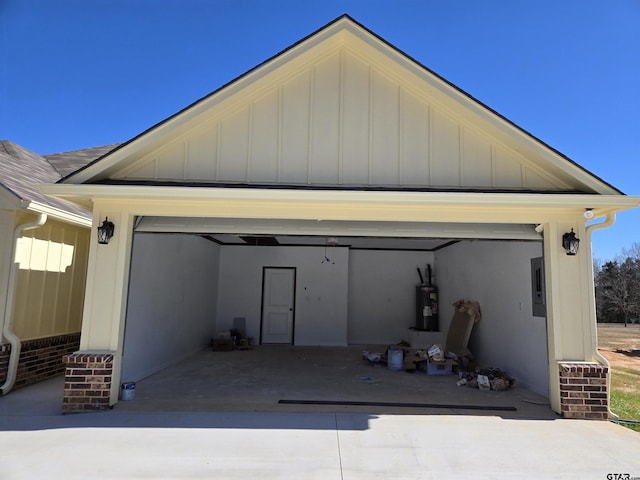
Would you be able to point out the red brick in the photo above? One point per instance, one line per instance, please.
(598, 381)
(594, 388)
(603, 408)
(93, 393)
(100, 386)
(596, 416)
(570, 388)
(81, 386)
(579, 408)
(578, 381)
(578, 394)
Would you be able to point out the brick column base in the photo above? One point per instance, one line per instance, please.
(87, 382)
(5, 352)
(583, 390)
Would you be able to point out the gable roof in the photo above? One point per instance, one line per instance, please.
(541, 161)
(23, 171)
(68, 162)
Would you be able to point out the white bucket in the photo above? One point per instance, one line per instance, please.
(395, 359)
(128, 391)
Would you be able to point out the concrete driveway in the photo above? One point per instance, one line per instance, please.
(38, 442)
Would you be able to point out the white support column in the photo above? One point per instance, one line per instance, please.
(567, 288)
(107, 289)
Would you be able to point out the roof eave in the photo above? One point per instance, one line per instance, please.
(85, 195)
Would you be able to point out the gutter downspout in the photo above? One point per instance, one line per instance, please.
(609, 220)
(16, 345)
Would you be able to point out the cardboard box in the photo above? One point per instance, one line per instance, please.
(222, 344)
(440, 368)
(483, 382)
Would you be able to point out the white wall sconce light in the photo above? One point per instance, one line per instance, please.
(570, 243)
(105, 231)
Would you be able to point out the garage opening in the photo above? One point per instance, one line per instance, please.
(354, 287)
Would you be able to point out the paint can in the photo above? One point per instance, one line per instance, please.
(395, 359)
(128, 391)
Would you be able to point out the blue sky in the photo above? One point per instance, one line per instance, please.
(82, 73)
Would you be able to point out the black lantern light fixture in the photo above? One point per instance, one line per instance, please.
(570, 243)
(105, 231)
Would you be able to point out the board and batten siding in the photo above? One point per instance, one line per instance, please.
(51, 274)
(340, 121)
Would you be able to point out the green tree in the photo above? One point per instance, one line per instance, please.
(618, 288)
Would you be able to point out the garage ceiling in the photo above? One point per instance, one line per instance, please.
(357, 235)
(360, 243)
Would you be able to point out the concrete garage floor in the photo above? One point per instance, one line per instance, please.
(138, 440)
(256, 379)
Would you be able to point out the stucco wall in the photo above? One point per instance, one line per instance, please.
(382, 294)
(321, 290)
(498, 275)
(171, 310)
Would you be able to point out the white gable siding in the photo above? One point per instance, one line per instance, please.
(354, 122)
(414, 140)
(340, 121)
(324, 151)
(478, 166)
(264, 154)
(201, 156)
(234, 139)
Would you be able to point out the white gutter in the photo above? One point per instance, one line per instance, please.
(16, 345)
(608, 221)
(58, 214)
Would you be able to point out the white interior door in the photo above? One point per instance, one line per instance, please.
(278, 289)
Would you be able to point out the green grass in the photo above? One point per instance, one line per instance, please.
(625, 395)
(625, 405)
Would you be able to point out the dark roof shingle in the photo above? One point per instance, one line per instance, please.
(68, 162)
(22, 171)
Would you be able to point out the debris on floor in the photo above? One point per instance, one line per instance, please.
(486, 379)
(222, 344)
(394, 356)
(437, 361)
(434, 361)
(366, 379)
(375, 359)
(230, 340)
